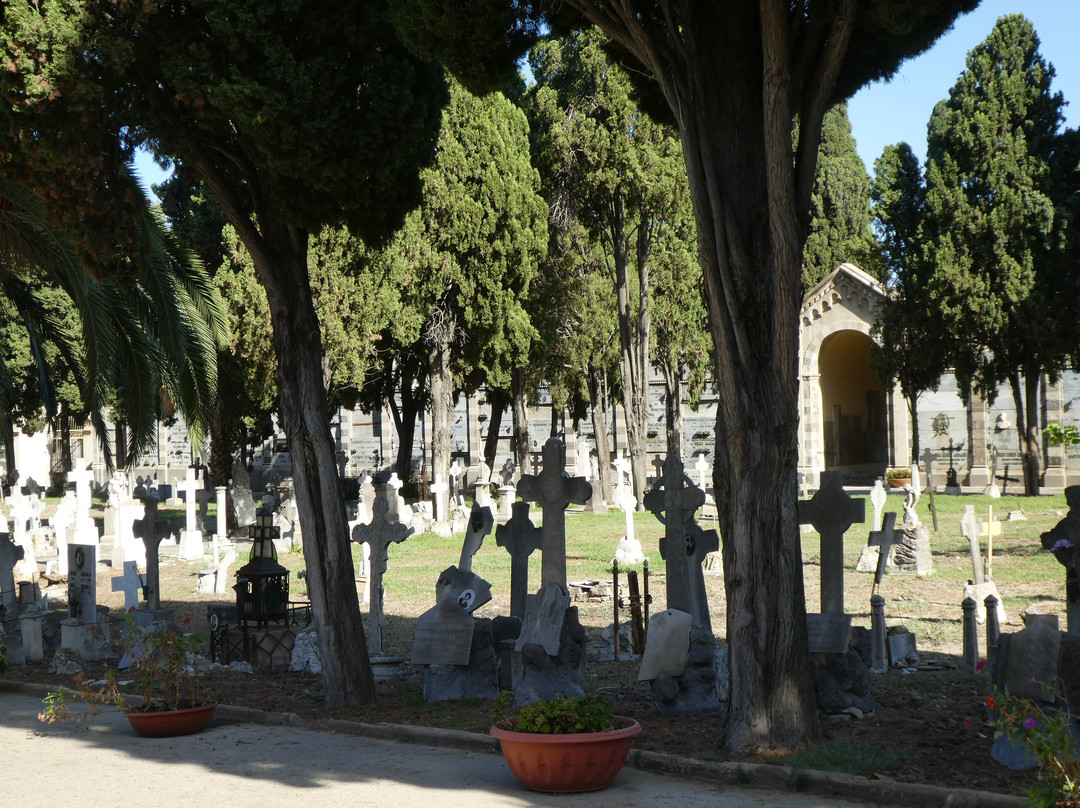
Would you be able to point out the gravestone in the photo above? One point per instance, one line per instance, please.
(828, 633)
(131, 584)
(10, 554)
(440, 499)
(86, 531)
(831, 512)
(127, 546)
(969, 528)
(883, 540)
(878, 498)
(62, 521)
(20, 512)
(394, 501)
(667, 647)
(82, 583)
(379, 534)
(554, 490)
(191, 538)
(702, 468)
(627, 503)
(457, 469)
(543, 619)
(146, 530)
(520, 538)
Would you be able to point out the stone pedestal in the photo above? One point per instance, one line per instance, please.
(191, 545)
(912, 552)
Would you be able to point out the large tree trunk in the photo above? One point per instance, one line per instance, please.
(598, 391)
(498, 400)
(633, 406)
(913, 409)
(282, 269)
(521, 422)
(1032, 453)
(441, 385)
(673, 410)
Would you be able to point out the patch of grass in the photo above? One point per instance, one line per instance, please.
(848, 756)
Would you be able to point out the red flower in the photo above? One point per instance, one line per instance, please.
(187, 620)
(980, 665)
(991, 703)
(967, 722)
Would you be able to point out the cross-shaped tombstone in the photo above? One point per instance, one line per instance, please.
(9, 555)
(658, 466)
(702, 467)
(674, 501)
(191, 540)
(378, 535)
(21, 511)
(439, 498)
(82, 478)
(831, 511)
(699, 543)
(883, 540)
(393, 499)
(969, 527)
(146, 530)
(468, 589)
(130, 583)
(521, 538)
(480, 524)
(553, 489)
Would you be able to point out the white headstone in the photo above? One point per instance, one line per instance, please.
(877, 499)
(131, 584)
(667, 645)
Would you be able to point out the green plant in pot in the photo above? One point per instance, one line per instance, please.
(166, 698)
(563, 744)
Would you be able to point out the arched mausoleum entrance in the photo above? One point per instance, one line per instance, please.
(855, 423)
(849, 419)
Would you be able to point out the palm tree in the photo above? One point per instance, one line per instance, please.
(131, 344)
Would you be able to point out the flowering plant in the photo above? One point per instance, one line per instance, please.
(897, 473)
(556, 716)
(161, 669)
(1048, 739)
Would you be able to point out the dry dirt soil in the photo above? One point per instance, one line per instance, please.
(936, 717)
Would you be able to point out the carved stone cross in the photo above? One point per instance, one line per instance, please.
(553, 489)
(521, 538)
(831, 511)
(883, 540)
(379, 534)
(129, 583)
(674, 501)
(146, 529)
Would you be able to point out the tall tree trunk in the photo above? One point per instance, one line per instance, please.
(498, 400)
(598, 391)
(673, 410)
(1032, 453)
(9, 451)
(631, 392)
(282, 267)
(521, 422)
(441, 385)
(913, 409)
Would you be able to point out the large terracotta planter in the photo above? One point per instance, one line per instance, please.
(899, 482)
(586, 761)
(170, 723)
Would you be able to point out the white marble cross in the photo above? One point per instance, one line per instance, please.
(130, 583)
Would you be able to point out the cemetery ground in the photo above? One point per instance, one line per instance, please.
(929, 726)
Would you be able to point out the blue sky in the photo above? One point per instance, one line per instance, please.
(886, 113)
(882, 114)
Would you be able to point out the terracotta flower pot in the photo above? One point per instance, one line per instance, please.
(170, 723)
(585, 761)
(899, 482)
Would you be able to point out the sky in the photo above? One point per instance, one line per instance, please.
(885, 113)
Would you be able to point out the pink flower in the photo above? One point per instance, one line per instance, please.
(1029, 723)
(980, 665)
(967, 722)
(1062, 544)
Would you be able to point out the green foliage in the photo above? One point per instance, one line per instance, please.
(849, 756)
(1049, 740)
(560, 715)
(1058, 435)
(839, 205)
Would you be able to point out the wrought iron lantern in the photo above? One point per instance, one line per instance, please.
(262, 585)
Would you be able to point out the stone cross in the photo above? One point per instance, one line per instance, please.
(702, 466)
(191, 539)
(9, 555)
(440, 498)
(82, 479)
(674, 501)
(393, 499)
(521, 538)
(658, 465)
(969, 527)
(379, 534)
(146, 529)
(831, 511)
(553, 489)
(877, 499)
(130, 583)
(61, 520)
(883, 540)
(625, 499)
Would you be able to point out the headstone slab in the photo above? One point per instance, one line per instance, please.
(544, 616)
(828, 633)
(443, 637)
(82, 582)
(667, 647)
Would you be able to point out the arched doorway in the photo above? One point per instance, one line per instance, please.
(854, 405)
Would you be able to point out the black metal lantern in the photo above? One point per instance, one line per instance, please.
(262, 585)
